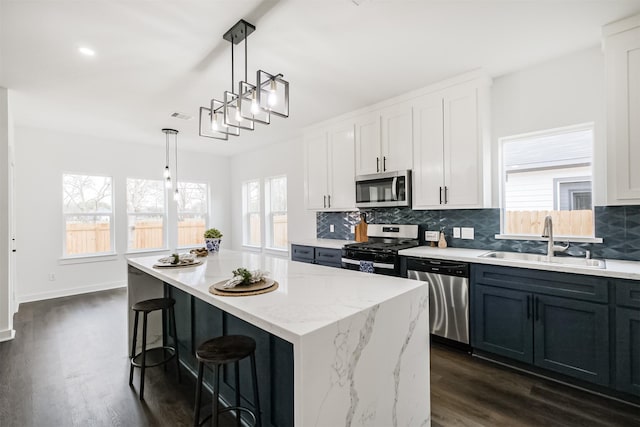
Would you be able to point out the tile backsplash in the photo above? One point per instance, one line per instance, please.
(618, 226)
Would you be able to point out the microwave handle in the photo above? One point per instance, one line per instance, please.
(394, 188)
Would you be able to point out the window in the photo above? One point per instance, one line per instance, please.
(145, 214)
(276, 212)
(193, 211)
(251, 214)
(548, 173)
(88, 214)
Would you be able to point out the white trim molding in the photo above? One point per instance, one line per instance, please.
(7, 335)
(72, 291)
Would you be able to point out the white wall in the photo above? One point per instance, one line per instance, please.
(42, 157)
(286, 158)
(565, 91)
(6, 215)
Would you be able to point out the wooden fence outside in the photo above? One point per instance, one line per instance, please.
(95, 238)
(565, 223)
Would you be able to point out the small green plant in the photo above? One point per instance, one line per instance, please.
(212, 233)
(244, 273)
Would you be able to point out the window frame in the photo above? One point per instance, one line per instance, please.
(164, 213)
(178, 212)
(112, 221)
(269, 214)
(246, 226)
(588, 126)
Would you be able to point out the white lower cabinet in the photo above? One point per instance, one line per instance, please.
(622, 65)
(330, 168)
(449, 132)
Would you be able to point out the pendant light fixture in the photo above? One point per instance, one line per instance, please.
(167, 170)
(252, 103)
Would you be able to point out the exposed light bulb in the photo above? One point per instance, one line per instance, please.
(176, 195)
(214, 122)
(255, 108)
(167, 182)
(273, 98)
(167, 174)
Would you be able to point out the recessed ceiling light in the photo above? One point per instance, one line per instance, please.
(86, 51)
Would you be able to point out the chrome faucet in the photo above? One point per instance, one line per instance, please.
(548, 233)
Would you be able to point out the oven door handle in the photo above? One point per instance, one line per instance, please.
(375, 264)
(394, 188)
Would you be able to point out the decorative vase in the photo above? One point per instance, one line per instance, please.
(442, 243)
(212, 244)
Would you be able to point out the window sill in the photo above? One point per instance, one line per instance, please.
(143, 252)
(252, 248)
(573, 239)
(278, 252)
(81, 259)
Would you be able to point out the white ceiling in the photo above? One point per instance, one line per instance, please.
(157, 57)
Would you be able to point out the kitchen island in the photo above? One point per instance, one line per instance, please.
(355, 345)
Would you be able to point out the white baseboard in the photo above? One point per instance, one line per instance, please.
(7, 335)
(58, 293)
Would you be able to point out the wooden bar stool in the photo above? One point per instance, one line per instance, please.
(148, 358)
(222, 351)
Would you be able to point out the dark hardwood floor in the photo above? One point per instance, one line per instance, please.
(68, 367)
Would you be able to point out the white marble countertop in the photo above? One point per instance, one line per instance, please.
(614, 268)
(322, 243)
(309, 297)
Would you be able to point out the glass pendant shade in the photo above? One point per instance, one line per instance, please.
(233, 112)
(250, 107)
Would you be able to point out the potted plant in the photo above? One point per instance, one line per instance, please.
(212, 239)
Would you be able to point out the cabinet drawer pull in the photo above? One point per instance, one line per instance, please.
(528, 307)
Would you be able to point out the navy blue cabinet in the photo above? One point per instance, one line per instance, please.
(314, 255)
(555, 321)
(628, 337)
(502, 322)
(198, 321)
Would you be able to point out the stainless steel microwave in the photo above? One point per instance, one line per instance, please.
(383, 189)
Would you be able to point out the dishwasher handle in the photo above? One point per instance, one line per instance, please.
(447, 268)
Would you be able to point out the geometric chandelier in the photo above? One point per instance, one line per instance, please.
(251, 103)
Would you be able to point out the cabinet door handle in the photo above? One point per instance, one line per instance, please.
(528, 307)
(537, 309)
(377, 164)
(440, 195)
(384, 163)
(446, 194)
(329, 200)
(324, 201)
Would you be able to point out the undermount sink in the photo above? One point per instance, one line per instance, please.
(517, 256)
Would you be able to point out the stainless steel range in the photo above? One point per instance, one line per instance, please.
(380, 254)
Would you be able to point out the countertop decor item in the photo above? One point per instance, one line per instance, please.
(242, 276)
(177, 260)
(361, 229)
(442, 243)
(251, 102)
(212, 239)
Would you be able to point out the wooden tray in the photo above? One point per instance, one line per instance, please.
(182, 263)
(261, 287)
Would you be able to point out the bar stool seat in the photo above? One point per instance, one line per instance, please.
(222, 351)
(148, 358)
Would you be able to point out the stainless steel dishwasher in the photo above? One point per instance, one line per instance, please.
(448, 295)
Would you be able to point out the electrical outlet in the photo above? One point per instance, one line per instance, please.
(467, 233)
(456, 232)
(353, 228)
(431, 236)
(52, 277)
(332, 228)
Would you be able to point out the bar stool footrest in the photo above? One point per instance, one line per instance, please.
(155, 357)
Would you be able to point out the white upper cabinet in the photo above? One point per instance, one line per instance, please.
(622, 65)
(449, 149)
(330, 176)
(367, 144)
(384, 140)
